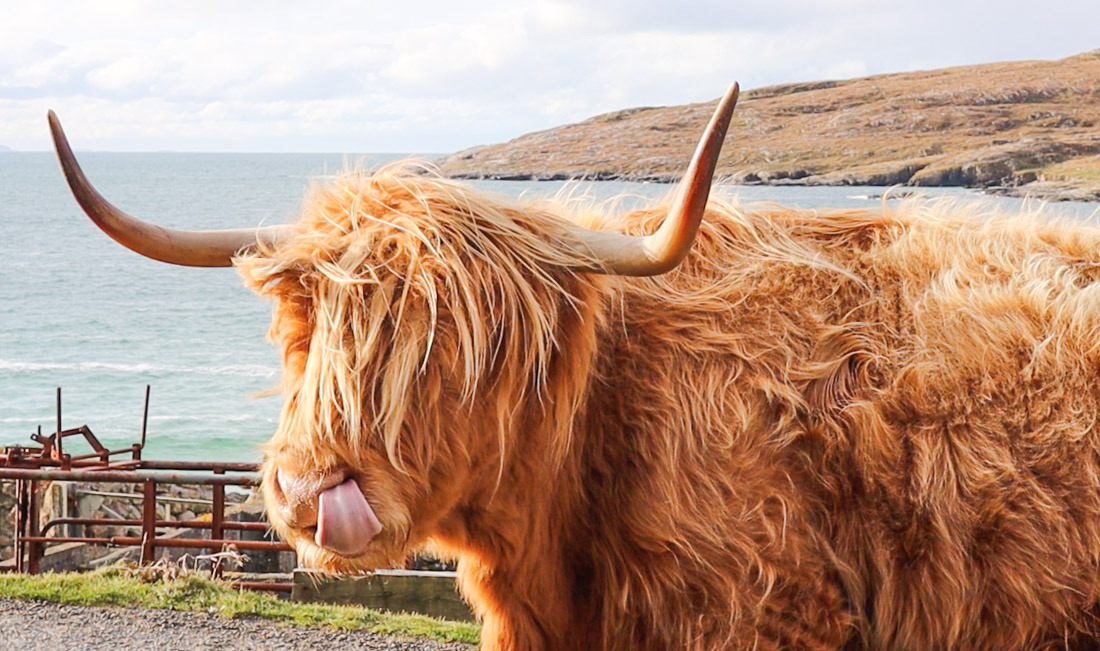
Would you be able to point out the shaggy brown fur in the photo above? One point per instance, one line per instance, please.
(824, 429)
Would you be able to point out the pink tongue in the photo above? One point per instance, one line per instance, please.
(345, 522)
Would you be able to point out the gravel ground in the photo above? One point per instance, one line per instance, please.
(39, 626)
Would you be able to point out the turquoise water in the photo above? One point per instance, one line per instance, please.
(82, 313)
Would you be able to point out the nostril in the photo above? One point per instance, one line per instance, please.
(299, 503)
(300, 492)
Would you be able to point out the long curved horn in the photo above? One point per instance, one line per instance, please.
(188, 248)
(628, 255)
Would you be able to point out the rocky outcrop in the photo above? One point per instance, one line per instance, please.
(1006, 125)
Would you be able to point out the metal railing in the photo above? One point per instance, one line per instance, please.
(29, 467)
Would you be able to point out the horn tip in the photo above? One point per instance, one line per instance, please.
(55, 126)
(734, 91)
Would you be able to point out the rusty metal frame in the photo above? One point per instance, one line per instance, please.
(29, 466)
(30, 541)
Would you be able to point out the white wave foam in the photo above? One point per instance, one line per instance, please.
(245, 370)
(163, 418)
(16, 419)
(211, 418)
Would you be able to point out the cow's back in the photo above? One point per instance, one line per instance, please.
(931, 380)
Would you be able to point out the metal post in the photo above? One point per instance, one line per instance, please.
(20, 524)
(217, 512)
(57, 443)
(34, 549)
(148, 521)
(144, 424)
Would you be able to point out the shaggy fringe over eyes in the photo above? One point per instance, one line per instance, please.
(386, 268)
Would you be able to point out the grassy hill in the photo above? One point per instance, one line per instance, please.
(1028, 127)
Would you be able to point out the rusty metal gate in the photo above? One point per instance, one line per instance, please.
(30, 466)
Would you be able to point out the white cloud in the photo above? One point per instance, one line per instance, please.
(434, 75)
(125, 73)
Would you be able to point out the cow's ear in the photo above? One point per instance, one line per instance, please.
(290, 286)
(272, 275)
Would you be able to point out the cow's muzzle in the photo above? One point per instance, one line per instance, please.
(330, 504)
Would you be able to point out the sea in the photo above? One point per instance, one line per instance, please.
(80, 313)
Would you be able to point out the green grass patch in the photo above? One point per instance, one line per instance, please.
(112, 586)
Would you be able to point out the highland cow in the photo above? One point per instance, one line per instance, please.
(813, 429)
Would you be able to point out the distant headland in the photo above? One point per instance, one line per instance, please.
(1020, 128)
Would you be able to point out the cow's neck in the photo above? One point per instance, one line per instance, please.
(515, 532)
(513, 540)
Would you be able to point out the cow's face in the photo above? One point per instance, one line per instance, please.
(418, 320)
(387, 331)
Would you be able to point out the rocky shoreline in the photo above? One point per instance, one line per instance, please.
(1024, 128)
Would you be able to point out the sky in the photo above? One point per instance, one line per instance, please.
(437, 76)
